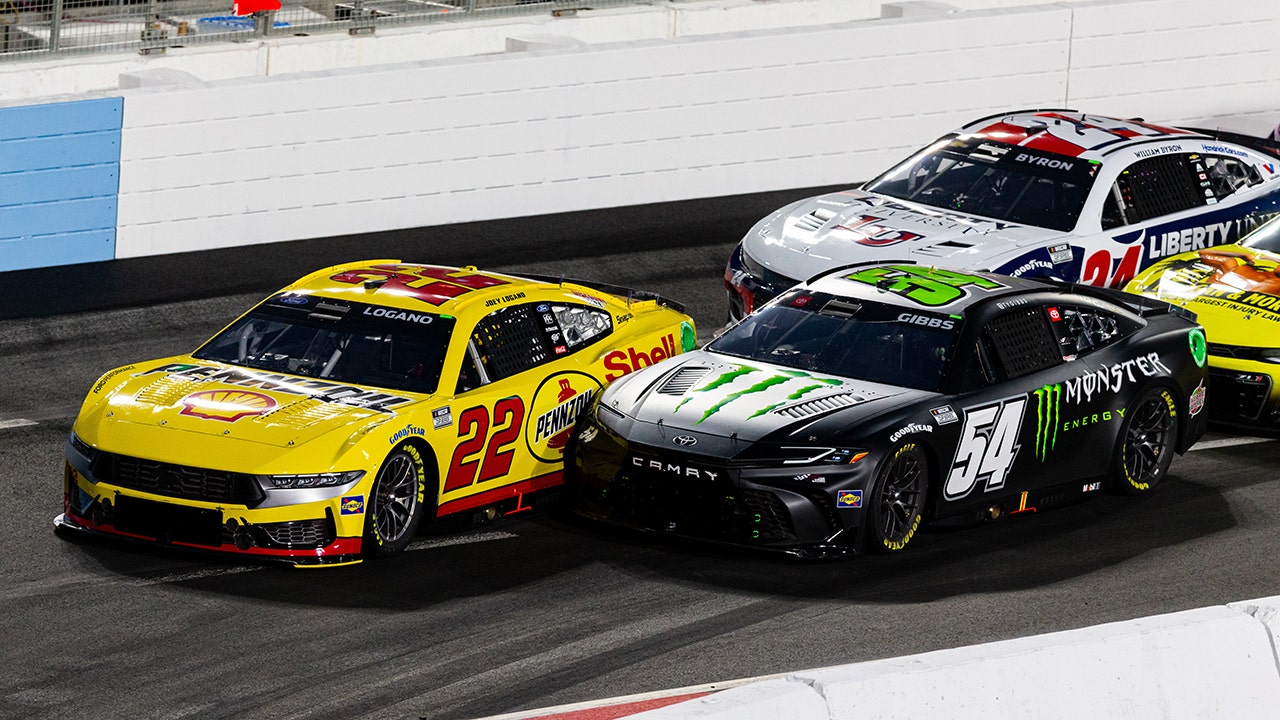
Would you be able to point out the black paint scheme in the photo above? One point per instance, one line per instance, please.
(1029, 411)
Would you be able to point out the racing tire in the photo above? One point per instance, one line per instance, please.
(1146, 442)
(897, 500)
(396, 503)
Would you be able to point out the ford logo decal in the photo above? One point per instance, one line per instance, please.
(684, 440)
(294, 300)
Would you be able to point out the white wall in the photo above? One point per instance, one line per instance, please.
(436, 142)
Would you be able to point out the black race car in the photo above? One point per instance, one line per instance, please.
(875, 397)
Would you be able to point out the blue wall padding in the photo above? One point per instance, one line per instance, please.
(59, 183)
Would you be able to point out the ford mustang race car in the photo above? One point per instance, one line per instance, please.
(334, 417)
(1053, 194)
(1235, 292)
(864, 402)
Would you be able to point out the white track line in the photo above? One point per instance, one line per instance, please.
(459, 540)
(19, 422)
(1228, 442)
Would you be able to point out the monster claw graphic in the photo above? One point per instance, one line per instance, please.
(1048, 399)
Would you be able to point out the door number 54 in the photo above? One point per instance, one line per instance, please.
(987, 448)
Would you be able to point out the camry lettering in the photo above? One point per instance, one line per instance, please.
(673, 468)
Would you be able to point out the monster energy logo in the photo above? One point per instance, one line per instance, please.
(807, 384)
(1048, 400)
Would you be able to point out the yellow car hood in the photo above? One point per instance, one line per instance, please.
(1234, 291)
(188, 401)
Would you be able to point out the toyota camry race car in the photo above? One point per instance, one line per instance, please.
(1054, 194)
(1235, 292)
(862, 403)
(327, 422)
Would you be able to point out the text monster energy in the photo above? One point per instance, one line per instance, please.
(1048, 400)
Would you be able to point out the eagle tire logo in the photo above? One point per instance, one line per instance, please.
(555, 408)
(1048, 417)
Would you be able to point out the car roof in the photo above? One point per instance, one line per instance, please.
(921, 287)
(405, 285)
(1033, 129)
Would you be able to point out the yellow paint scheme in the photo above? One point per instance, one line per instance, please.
(490, 444)
(1235, 292)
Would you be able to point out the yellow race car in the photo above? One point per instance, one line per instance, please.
(1235, 292)
(329, 421)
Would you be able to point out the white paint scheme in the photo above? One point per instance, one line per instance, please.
(1213, 662)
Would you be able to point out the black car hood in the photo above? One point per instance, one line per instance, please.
(713, 404)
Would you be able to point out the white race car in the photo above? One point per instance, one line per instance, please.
(1046, 193)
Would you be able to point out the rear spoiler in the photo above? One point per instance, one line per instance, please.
(1265, 146)
(616, 290)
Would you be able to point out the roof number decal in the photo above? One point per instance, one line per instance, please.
(931, 287)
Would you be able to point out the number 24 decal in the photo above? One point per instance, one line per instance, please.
(987, 448)
(474, 425)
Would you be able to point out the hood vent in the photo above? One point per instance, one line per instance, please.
(943, 249)
(814, 221)
(821, 405)
(683, 379)
(303, 413)
(167, 390)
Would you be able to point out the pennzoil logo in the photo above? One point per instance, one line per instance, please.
(226, 405)
(556, 406)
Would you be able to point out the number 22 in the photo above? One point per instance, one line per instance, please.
(496, 462)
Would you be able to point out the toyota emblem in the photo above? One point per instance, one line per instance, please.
(684, 440)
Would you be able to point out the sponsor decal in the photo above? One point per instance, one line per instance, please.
(425, 283)
(1054, 315)
(944, 415)
(1199, 348)
(1113, 377)
(1015, 302)
(560, 349)
(811, 478)
(294, 299)
(590, 299)
(785, 386)
(313, 388)
(226, 405)
(670, 468)
(1029, 266)
(987, 448)
(1060, 253)
(869, 231)
(624, 318)
(1162, 150)
(558, 402)
(849, 499)
(102, 381)
(441, 417)
(685, 440)
(1091, 487)
(909, 429)
(932, 287)
(621, 362)
(1223, 149)
(406, 431)
(353, 505)
(927, 321)
(543, 307)
(1196, 402)
(1048, 402)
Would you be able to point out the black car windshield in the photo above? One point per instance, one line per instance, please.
(840, 336)
(1265, 238)
(340, 341)
(994, 180)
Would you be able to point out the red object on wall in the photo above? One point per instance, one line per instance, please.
(249, 7)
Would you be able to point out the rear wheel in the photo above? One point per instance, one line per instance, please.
(396, 503)
(1146, 442)
(897, 499)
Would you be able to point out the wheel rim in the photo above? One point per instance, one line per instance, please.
(1146, 440)
(900, 499)
(395, 498)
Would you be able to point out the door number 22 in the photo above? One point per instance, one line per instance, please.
(987, 448)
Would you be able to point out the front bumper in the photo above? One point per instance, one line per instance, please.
(327, 532)
(808, 511)
(1243, 394)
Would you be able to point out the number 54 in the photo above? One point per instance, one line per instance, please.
(987, 448)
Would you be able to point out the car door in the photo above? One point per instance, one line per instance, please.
(518, 392)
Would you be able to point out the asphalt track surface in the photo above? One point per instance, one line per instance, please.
(534, 610)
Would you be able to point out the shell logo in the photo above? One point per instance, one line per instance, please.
(226, 405)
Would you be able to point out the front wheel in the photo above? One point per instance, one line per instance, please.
(897, 499)
(396, 503)
(1146, 442)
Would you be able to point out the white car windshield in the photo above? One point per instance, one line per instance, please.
(994, 180)
(345, 342)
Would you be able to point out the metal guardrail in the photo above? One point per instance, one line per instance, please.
(40, 29)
